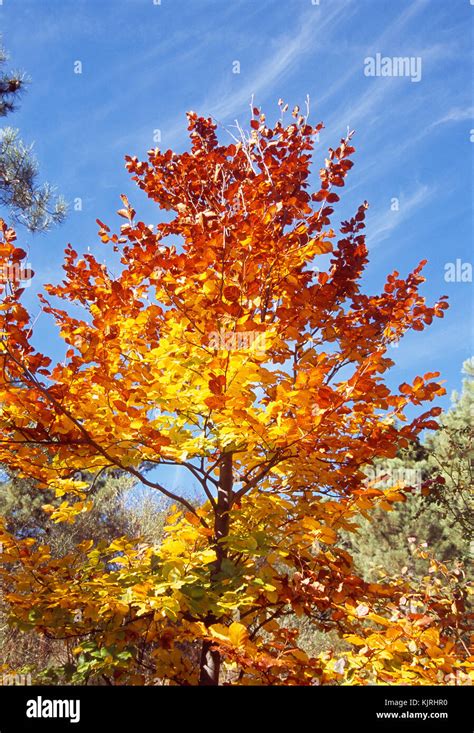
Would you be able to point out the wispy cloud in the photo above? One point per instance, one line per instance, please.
(371, 106)
(383, 224)
(394, 30)
(291, 49)
(314, 27)
(456, 114)
(414, 349)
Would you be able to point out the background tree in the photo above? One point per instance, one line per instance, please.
(451, 459)
(118, 509)
(440, 513)
(22, 502)
(436, 516)
(30, 203)
(220, 349)
(386, 542)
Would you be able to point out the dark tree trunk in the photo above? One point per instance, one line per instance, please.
(210, 659)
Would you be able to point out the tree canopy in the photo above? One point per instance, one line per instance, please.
(221, 348)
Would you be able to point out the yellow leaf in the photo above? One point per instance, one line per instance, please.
(238, 634)
(354, 639)
(430, 637)
(327, 535)
(379, 619)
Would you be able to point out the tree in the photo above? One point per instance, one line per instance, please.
(30, 203)
(220, 348)
(11, 84)
(387, 541)
(391, 544)
(22, 508)
(451, 459)
(112, 515)
(440, 512)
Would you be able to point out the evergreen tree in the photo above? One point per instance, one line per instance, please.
(439, 511)
(451, 458)
(30, 203)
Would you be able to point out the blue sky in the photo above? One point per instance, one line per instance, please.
(145, 64)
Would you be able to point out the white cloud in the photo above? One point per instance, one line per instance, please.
(392, 31)
(456, 114)
(416, 348)
(314, 27)
(383, 224)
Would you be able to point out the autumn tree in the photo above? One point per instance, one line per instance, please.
(223, 349)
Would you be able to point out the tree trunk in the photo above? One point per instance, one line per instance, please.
(210, 665)
(210, 659)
